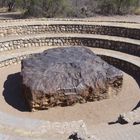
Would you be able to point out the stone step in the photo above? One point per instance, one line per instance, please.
(104, 37)
(123, 56)
(130, 46)
(91, 21)
(39, 27)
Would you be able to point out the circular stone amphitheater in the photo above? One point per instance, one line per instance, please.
(115, 41)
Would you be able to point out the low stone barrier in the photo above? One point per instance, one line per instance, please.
(70, 28)
(123, 65)
(13, 60)
(121, 46)
(64, 19)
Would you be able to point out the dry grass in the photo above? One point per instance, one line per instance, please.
(137, 11)
(3, 10)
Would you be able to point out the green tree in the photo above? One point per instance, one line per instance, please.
(117, 6)
(124, 5)
(54, 8)
(47, 8)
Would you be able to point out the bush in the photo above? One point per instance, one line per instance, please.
(108, 7)
(72, 8)
(47, 8)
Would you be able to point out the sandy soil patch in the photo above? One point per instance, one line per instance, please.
(92, 113)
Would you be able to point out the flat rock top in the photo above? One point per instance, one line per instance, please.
(69, 69)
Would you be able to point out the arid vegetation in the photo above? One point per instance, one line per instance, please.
(72, 8)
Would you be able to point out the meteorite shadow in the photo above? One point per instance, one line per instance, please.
(12, 92)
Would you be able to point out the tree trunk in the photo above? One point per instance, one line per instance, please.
(11, 5)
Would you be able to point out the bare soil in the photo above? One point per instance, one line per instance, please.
(92, 113)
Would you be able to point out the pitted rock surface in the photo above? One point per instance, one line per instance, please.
(64, 76)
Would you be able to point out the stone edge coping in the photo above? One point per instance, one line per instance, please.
(36, 128)
(18, 30)
(64, 41)
(6, 46)
(68, 19)
(74, 35)
(118, 55)
(57, 22)
(99, 51)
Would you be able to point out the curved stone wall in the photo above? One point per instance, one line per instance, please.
(13, 60)
(118, 45)
(73, 35)
(125, 66)
(11, 48)
(71, 28)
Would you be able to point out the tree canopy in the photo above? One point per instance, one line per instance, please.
(71, 8)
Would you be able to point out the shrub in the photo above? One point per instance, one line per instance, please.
(72, 8)
(119, 7)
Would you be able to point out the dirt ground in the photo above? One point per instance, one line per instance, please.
(92, 113)
(126, 18)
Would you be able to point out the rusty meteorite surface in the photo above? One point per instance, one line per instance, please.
(64, 76)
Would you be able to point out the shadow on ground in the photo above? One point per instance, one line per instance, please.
(137, 106)
(11, 15)
(12, 92)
